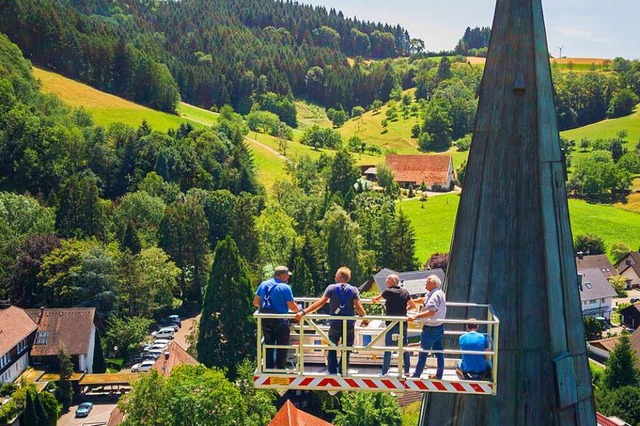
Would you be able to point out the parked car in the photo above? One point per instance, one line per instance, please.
(164, 333)
(175, 319)
(143, 366)
(146, 356)
(166, 324)
(84, 409)
(634, 300)
(171, 321)
(157, 352)
(161, 341)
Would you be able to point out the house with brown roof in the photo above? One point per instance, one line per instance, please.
(436, 171)
(289, 415)
(631, 258)
(17, 331)
(634, 341)
(71, 329)
(631, 273)
(601, 261)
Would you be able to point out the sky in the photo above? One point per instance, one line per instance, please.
(583, 28)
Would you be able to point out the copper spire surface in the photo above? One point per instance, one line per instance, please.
(512, 244)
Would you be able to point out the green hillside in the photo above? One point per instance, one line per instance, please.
(107, 109)
(434, 223)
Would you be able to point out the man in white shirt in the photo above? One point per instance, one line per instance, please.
(434, 310)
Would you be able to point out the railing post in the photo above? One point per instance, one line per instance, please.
(343, 344)
(400, 347)
(259, 343)
(300, 357)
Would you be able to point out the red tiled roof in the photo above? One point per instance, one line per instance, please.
(70, 328)
(601, 420)
(176, 356)
(606, 344)
(634, 256)
(429, 169)
(15, 325)
(289, 415)
(116, 417)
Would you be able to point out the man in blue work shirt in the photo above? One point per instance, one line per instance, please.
(473, 367)
(275, 296)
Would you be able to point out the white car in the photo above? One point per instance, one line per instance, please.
(164, 333)
(143, 366)
(161, 342)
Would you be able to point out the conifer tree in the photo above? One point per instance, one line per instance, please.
(131, 241)
(227, 328)
(403, 245)
(41, 414)
(64, 391)
(243, 230)
(621, 366)
(29, 416)
(99, 364)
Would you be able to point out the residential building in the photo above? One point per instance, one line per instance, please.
(631, 273)
(632, 258)
(587, 261)
(631, 315)
(413, 281)
(17, 331)
(596, 293)
(70, 328)
(435, 171)
(634, 341)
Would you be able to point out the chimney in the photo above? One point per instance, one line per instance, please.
(41, 314)
(579, 279)
(627, 262)
(580, 255)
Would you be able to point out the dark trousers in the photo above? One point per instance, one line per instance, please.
(431, 338)
(276, 332)
(335, 335)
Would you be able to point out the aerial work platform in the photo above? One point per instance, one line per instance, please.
(309, 342)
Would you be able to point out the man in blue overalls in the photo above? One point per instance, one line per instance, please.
(343, 298)
(275, 296)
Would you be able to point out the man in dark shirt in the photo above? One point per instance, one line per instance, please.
(343, 300)
(397, 302)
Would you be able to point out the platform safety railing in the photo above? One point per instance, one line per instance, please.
(314, 327)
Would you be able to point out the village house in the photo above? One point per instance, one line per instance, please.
(587, 261)
(17, 331)
(71, 329)
(435, 171)
(629, 268)
(596, 293)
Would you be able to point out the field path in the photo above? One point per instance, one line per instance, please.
(268, 148)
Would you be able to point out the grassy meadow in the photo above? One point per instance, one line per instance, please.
(107, 109)
(434, 223)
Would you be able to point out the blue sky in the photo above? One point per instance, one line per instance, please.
(586, 28)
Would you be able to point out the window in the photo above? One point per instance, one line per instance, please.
(41, 338)
(4, 360)
(588, 285)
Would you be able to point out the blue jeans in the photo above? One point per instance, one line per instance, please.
(431, 338)
(388, 341)
(335, 335)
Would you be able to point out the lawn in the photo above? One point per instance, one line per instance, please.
(434, 223)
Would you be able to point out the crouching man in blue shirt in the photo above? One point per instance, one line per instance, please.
(473, 367)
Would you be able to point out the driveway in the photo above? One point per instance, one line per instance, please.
(102, 408)
(181, 335)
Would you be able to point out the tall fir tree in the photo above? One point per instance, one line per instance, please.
(226, 334)
(41, 413)
(64, 391)
(403, 245)
(386, 231)
(243, 229)
(342, 243)
(29, 416)
(99, 364)
(621, 366)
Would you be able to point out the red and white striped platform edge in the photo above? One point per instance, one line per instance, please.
(378, 384)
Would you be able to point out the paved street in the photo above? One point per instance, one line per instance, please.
(181, 334)
(102, 409)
